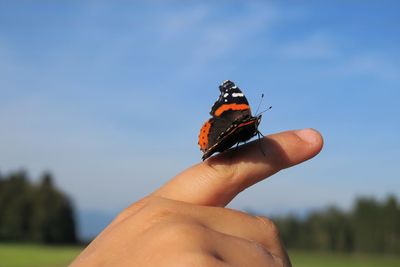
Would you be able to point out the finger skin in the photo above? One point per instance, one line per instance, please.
(173, 233)
(241, 252)
(223, 220)
(219, 179)
(235, 223)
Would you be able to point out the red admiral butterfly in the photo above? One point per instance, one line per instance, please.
(231, 121)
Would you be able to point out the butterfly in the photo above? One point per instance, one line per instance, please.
(231, 122)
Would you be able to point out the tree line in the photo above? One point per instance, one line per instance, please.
(35, 212)
(40, 212)
(370, 226)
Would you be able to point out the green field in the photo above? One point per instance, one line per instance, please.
(320, 259)
(16, 255)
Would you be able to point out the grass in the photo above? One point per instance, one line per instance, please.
(25, 255)
(326, 259)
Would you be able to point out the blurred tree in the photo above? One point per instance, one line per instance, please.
(52, 220)
(371, 226)
(290, 228)
(368, 223)
(31, 212)
(15, 206)
(337, 226)
(391, 225)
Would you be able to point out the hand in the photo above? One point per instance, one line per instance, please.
(184, 223)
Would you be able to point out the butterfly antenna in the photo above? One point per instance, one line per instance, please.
(259, 104)
(265, 110)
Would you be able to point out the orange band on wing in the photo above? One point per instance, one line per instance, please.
(226, 107)
(203, 136)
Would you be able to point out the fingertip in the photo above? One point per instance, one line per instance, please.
(312, 137)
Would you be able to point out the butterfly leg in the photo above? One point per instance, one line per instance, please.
(233, 151)
(259, 135)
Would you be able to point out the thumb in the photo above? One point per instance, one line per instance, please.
(220, 178)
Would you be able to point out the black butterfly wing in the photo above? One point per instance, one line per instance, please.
(230, 99)
(218, 127)
(226, 127)
(237, 132)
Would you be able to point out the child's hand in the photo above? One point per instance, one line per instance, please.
(184, 223)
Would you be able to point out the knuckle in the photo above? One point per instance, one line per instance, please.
(131, 210)
(150, 209)
(154, 201)
(158, 209)
(268, 226)
(142, 204)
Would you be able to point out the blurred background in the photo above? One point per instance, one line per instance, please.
(101, 102)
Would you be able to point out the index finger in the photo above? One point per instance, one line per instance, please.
(219, 179)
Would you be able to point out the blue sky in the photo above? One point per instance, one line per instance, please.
(110, 96)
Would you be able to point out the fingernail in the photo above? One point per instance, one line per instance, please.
(308, 135)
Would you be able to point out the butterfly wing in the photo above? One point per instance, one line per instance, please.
(226, 127)
(235, 133)
(230, 100)
(211, 132)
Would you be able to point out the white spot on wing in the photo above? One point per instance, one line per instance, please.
(237, 95)
(226, 94)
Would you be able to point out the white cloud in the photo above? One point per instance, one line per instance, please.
(314, 46)
(205, 34)
(372, 65)
(175, 24)
(339, 61)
